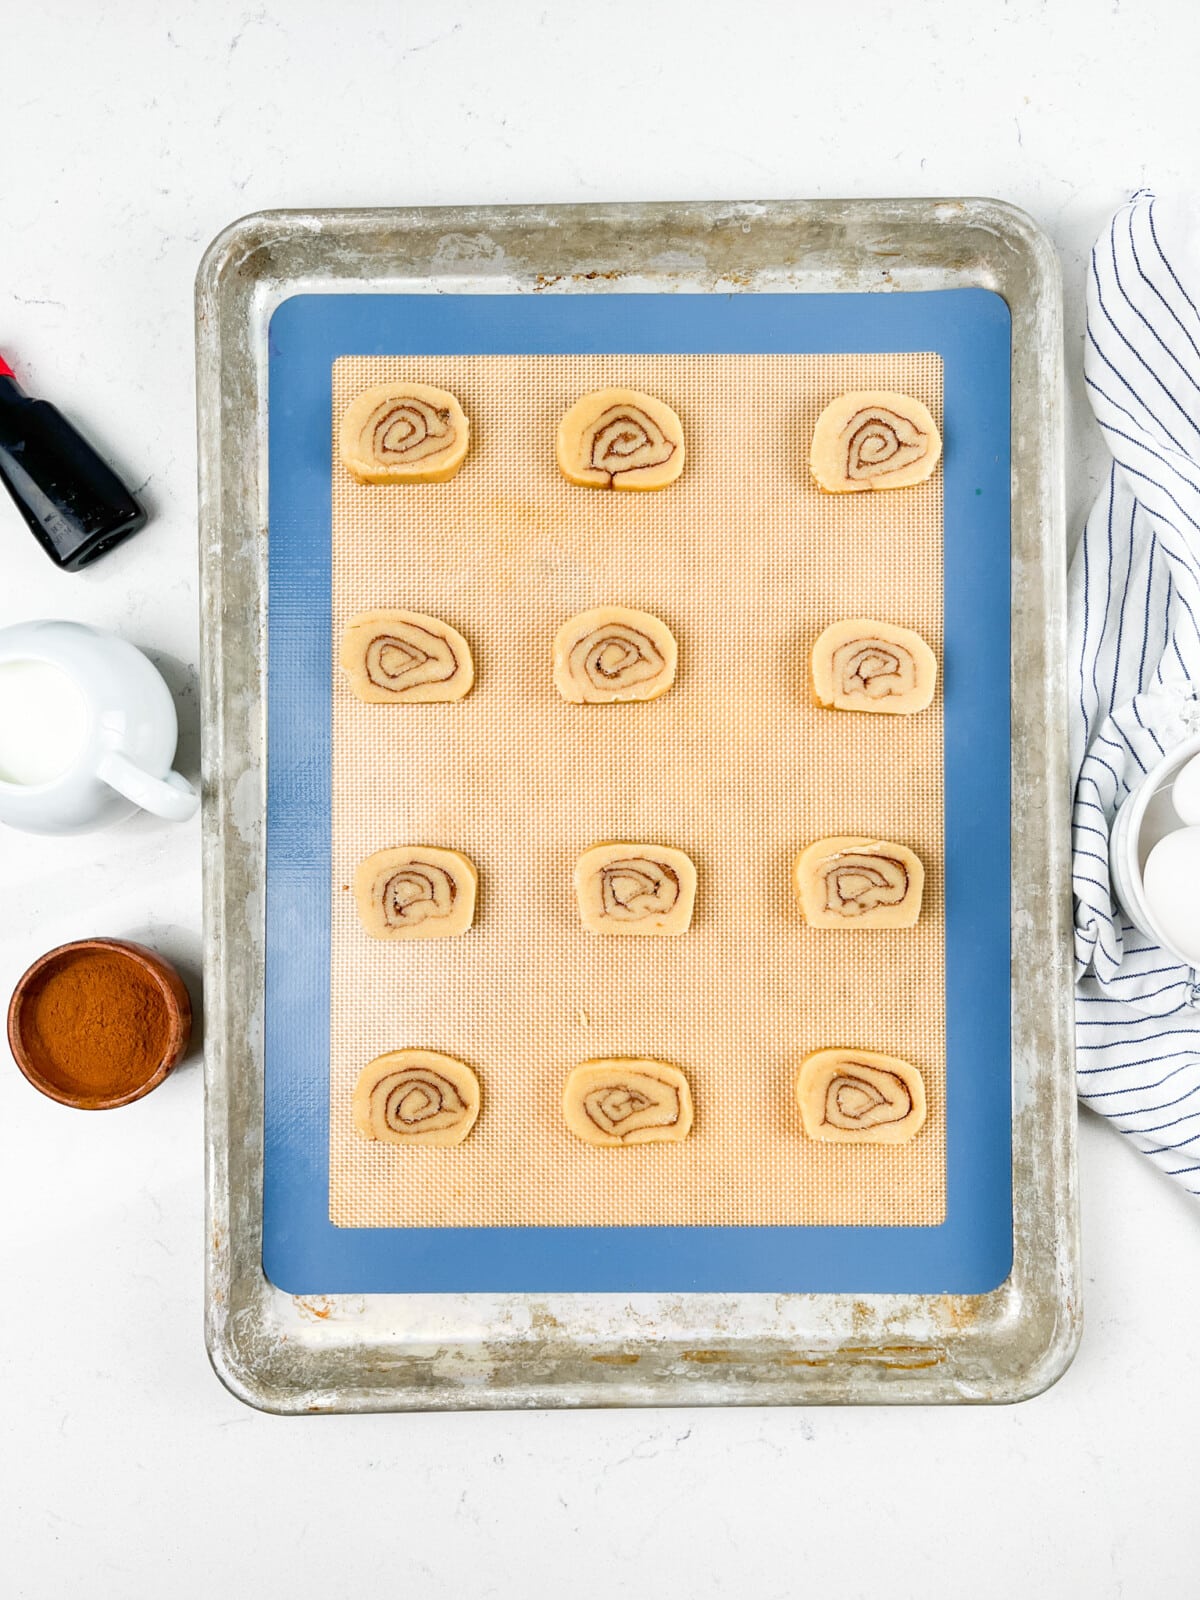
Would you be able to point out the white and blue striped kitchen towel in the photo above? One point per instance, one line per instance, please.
(1135, 662)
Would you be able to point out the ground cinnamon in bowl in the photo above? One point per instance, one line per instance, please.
(98, 1023)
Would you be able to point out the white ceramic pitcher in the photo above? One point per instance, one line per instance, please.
(121, 747)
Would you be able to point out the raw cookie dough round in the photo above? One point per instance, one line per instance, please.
(416, 1097)
(860, 1097)
(611, 654)
(861, 665)
(851, 882)
(405, 657)
(620, 439)
(404, 433)
(631, 1101)
(873, 439)
(416, 892)
(635, 889)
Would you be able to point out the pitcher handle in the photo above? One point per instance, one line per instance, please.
(172, 797)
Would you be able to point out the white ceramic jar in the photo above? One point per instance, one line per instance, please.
(87, 731)
(1147, 815)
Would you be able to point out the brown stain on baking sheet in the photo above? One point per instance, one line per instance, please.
(960, 1310)
(547, 280)
(901, 1357)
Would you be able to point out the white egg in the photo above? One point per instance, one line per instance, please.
(1171, 885)
(1185, 791)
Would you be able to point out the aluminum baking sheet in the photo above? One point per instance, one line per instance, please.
(958, 1324)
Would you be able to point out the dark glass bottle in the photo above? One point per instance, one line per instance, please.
(74, 503)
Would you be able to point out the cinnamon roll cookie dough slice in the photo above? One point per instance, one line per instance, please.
(416, 892)
(404, 433)
(416, 1097)
(405, 657)
(861, 665)
(850, 882)
(860, 1097)
(635, 889)
(633, 1101)
(620, 439)
(613, 654)
(873, 439)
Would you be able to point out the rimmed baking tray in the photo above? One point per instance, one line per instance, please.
(319, 1350)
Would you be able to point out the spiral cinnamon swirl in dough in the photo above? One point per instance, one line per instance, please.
(416, 1097)
(861, 665)
(395, 657)
(873, 439)
(416, 892)
(850, 882)
(613, 653)
(635, 888)
(404, 433)
(620, 439)
(860, 1097)
(627, 1102)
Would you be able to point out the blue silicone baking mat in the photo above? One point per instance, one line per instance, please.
(967, 1252)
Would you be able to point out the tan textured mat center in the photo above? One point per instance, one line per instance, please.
(746, 562)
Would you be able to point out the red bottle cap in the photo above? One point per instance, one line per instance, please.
(5, 370)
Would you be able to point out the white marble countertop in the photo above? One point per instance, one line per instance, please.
(130, 135)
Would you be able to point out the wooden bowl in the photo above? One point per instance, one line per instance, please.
(44, 1072)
